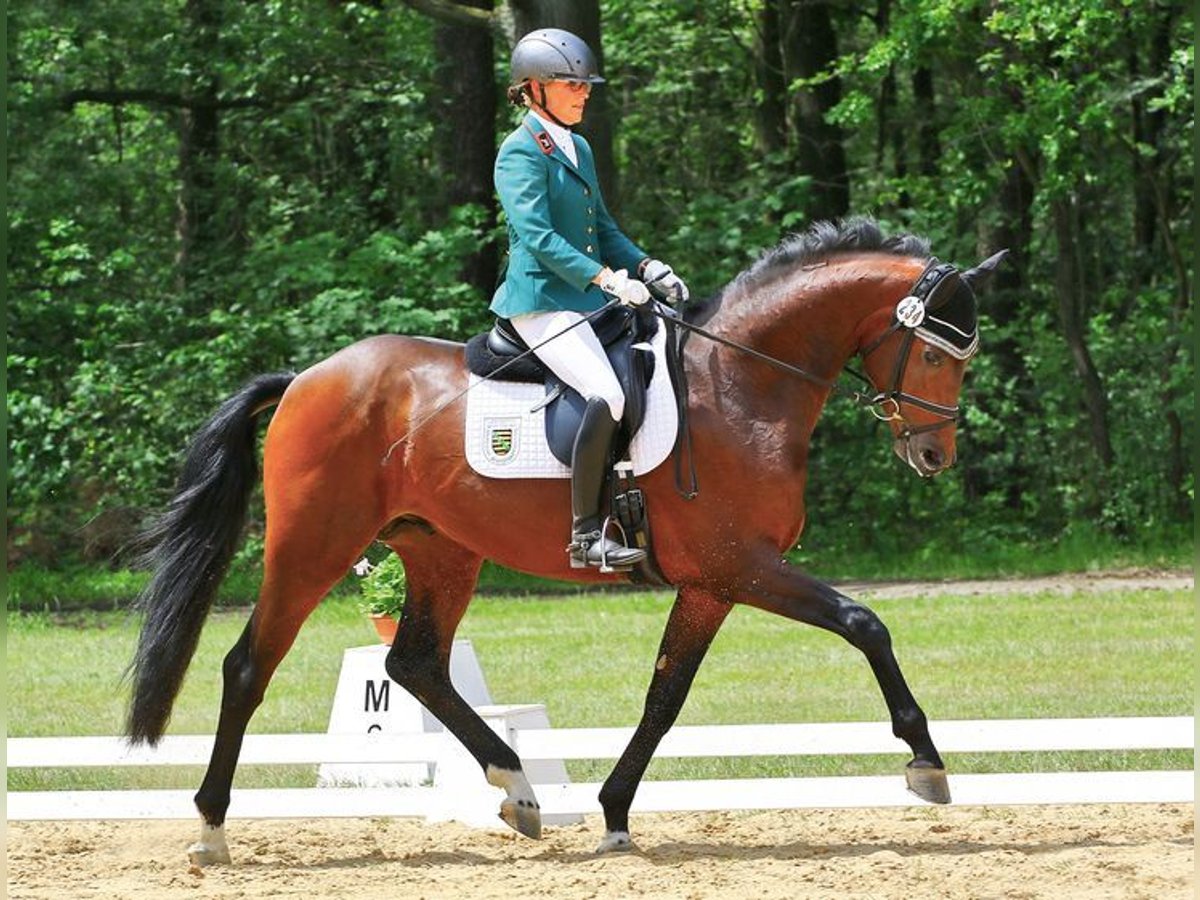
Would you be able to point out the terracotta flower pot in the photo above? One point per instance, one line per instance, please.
(385, 627)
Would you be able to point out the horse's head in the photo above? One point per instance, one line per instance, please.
(916, 362)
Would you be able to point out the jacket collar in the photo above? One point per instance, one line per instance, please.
(560, 134)
(541, 137)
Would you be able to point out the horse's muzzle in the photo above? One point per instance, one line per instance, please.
(924, 453)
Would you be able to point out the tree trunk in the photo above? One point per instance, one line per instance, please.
(1011, 230)
(810, 47)
(1147, 128)
(928, 147)
(465, 131)
(199, 151)
(1152, 218)
(888, 137)
(770, 112)
(1071, 289)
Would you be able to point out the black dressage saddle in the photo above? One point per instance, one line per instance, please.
(625, 334)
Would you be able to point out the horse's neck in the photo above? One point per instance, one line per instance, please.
(815, 316)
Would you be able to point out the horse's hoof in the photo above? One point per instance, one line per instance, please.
(522, 816)
(615, 842)
(202, 854)
(928, 782)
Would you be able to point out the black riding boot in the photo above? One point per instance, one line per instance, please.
(589, 458)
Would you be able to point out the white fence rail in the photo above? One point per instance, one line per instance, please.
(1022, 735)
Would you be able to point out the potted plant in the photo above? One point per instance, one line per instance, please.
(383, 596)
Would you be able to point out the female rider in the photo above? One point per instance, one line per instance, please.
(565, 254)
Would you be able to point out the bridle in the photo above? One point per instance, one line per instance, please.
(932, 289)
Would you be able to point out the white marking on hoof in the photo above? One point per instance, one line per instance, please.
(615, 842)
(520, 810)
(211, 849)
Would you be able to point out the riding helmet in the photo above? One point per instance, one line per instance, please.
(551, 54)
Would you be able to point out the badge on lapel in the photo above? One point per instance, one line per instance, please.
(545, 142)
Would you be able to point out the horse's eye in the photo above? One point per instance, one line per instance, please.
(933, 357)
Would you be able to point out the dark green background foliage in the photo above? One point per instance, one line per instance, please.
(200, 191)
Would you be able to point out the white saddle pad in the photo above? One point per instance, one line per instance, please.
(505, 438)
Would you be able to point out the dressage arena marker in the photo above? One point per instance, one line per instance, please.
(465, 797)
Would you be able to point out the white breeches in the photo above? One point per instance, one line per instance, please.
(576, 357)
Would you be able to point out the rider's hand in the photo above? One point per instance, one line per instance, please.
(624, 288)
(663, 282)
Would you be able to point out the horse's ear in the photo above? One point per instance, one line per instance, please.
(979, 276)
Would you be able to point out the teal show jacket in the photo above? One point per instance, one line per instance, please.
(560, 234)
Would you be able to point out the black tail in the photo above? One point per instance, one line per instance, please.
(189, 549)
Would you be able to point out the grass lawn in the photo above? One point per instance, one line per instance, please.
(589, 658)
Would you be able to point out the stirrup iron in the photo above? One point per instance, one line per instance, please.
(581, 544)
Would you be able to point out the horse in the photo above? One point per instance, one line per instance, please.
(336, 478)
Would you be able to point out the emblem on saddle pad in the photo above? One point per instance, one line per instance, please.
(910, 312)
(502, 444)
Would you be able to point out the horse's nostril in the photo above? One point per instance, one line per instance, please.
(932, 457)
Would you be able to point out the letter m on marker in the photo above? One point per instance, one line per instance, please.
(376, 696)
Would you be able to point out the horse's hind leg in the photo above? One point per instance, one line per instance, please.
(440, 578)
(301, 565)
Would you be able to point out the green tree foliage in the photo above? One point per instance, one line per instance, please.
(1089, 420)
(203, 190)
(322, 232)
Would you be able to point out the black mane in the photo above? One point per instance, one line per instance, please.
(824, 239)
(858, 234)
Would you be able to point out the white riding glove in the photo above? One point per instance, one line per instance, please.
(624, 288)
(663, 282)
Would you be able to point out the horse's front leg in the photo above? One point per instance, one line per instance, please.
(694, 621)
(789, 592)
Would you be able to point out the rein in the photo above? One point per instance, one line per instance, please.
(857, 397)
(926, 291)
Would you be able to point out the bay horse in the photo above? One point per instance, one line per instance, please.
(335, 479)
